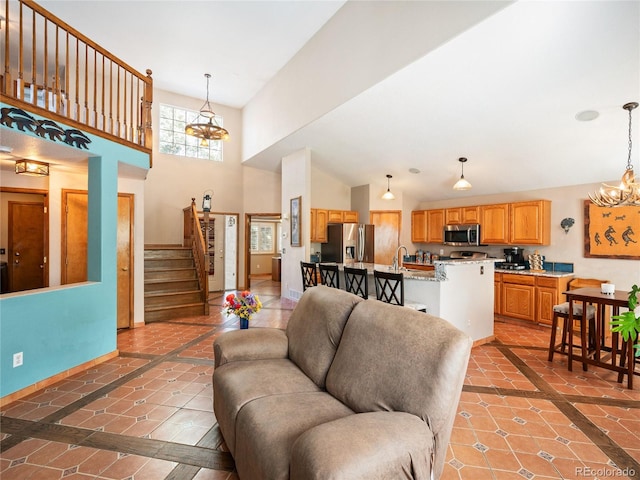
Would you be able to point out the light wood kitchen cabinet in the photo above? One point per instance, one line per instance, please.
(462, 215)
(350, 216)
(518, 296)
(494, 223)
(342, 216)
(435, 225)
(528, 297)
(319, 220)
(549, 293)
(530, 223)
(419, 226)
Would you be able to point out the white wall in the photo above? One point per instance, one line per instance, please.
(296, 182)
(328, 192)
(565, 247)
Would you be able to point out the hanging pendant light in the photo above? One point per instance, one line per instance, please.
(628, 192)
(209, 130)
(462, 184)
(388, 195)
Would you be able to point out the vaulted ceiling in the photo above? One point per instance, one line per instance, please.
(504, 93)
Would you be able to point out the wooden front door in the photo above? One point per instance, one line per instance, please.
(27, 239)
(387, 239)
(74, 247)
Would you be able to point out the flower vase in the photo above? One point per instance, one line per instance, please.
(244, 323)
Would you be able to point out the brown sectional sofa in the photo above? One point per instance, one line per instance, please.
(353, 389)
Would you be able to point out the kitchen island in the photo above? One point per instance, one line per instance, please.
(459, 291)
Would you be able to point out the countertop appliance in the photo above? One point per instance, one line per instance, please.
(349, 242)
(513, 259)
(461, 235)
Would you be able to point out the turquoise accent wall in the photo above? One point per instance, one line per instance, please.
(62, 327)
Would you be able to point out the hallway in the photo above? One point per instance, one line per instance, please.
(147, 414)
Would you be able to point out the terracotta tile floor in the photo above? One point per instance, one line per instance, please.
(148, 413)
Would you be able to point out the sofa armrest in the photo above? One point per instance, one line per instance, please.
(371, 446)
(250, 344)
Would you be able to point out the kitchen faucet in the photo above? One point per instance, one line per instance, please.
(396, 260)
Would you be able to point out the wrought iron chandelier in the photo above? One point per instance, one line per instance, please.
(628, 192)
(210, 130)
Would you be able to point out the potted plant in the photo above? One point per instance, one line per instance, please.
(627, 324)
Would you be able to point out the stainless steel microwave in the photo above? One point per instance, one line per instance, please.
(462, 235)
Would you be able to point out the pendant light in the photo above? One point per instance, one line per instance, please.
(388, 195)
(628, 192)
(209, 130)
(462, 184)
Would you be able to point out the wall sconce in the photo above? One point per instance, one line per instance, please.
(206, 201)
(567, 223)
(32, 167)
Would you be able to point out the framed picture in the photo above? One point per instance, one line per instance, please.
(611, 232)
(296, 235)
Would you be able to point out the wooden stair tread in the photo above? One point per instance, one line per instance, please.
(170, 292)
(172, 307)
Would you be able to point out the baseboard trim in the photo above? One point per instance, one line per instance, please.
(12, 397)
(482, 341)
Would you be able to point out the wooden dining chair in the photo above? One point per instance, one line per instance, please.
(390, 289)
(309, 275)
(329, 275)
(561, 311)
(356, 281)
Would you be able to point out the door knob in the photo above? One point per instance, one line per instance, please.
(125, 269)
(17, 254)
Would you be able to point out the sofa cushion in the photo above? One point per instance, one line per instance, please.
(238, 383)
(267, 428)
(315, 328)
(371, 446)
(369, 374)
(250, 344)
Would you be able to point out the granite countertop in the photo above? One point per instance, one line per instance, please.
(408, 274)
(536, 273)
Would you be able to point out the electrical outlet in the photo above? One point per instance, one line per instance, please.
(17, 359)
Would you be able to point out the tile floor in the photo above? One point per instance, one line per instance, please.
(148, 413)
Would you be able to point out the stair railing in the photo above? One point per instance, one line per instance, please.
(52, 69)
(194, 238)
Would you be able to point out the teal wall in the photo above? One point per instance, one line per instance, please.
(62, 327)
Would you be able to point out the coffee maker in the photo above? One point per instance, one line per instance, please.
(513, 259)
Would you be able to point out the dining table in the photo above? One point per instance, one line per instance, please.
(616, 355)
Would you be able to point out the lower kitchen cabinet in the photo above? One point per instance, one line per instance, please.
(529, 297)
(497, 293)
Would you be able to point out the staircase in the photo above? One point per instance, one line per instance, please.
(171, 288)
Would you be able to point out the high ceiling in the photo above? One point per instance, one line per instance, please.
(504, 93)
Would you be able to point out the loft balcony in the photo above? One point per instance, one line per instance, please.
(54, 71)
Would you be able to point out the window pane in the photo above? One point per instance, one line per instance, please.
(174, 141)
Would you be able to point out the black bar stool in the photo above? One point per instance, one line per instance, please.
(309, 275)
(356, 281)
(329, 275)
(390, 289)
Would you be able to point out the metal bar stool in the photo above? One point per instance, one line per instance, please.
(390, 289)
(309, 275)
(356, 281)
(329, 275)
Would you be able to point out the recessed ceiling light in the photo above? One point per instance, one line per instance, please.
(414, 170)
(587, 115)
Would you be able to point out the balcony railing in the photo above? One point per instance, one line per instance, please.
(52, 69)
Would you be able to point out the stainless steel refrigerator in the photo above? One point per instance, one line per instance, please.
(348, 242)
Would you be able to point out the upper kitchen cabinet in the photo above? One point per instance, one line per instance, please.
(342, 216)
(530, 223)
(319, 220)
(494, 224)
(520, 223)
(462, 215)
(435, 225)
(419, 226)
